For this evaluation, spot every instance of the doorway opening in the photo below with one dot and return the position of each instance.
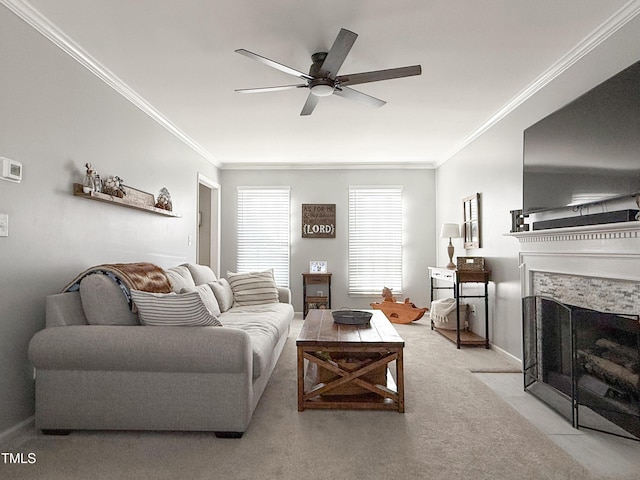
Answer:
(208, 238)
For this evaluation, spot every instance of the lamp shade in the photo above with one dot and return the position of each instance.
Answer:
(450, 230)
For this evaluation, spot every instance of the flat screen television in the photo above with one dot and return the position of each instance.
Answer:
(588, 151)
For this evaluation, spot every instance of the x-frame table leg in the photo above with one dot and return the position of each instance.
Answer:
(352, 376)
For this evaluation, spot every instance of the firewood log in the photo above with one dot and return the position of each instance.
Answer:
(621, 360)
(610, 372)
(620, 354)
(629, 352)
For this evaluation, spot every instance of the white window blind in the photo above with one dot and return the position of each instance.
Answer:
(263, 231)
(375, 239)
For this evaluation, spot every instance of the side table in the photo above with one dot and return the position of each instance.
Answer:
(314, 300)
(457, 278)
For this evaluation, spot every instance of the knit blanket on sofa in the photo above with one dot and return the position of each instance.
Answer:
(138, 276)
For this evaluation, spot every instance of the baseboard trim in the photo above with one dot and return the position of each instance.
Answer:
(10, 435)
(504, 352)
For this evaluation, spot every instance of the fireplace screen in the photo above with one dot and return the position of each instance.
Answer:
(584, 363)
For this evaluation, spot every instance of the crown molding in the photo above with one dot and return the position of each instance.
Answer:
(618, 20)
(44, 26)
(327, 166)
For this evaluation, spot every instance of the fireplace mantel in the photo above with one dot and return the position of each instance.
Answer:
(605, 252)
(601, 233)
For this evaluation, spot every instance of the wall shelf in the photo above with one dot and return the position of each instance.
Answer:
(136, 199)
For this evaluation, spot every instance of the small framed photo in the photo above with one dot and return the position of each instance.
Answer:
(318, 266)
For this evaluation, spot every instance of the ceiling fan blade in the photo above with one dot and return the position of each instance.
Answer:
(270, 89)
(351, 94)
(271, 63)
(379, 75)
(337, 54)
(310, 104)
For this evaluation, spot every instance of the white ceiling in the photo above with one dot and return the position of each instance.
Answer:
(478, 58)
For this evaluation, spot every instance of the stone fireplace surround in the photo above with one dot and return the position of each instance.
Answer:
(595, 267)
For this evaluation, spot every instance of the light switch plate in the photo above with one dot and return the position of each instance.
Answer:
(4, 225)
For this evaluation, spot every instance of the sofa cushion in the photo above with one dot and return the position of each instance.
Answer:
(104, 302)
(223, 293)
(207, 297)
(253, 288)
(180, 277)
(201, 273)
(172, 309)
(63, 309)
(265, 325)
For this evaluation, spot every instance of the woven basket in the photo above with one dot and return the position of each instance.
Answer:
(470, 263)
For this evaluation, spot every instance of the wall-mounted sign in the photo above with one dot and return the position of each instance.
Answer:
(318, 220)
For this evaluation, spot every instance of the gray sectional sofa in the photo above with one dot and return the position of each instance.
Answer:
(98, 368)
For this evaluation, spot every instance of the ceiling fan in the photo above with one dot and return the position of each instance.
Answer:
(323, 79)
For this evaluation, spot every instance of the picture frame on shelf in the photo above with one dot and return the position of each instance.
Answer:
(318, 266)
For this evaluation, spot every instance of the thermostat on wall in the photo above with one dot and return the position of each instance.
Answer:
(11, 170)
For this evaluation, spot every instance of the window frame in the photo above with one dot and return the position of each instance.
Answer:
(256, 231)
(375, 239)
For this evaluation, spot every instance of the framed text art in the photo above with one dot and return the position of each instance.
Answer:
(471, 226)
(318, 220)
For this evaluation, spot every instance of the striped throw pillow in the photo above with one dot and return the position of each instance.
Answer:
(253, 288)
(172, 309)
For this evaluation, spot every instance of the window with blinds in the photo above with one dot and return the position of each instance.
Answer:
(375, 239)
(263, 231)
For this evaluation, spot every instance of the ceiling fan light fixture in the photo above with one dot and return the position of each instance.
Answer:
(323, 80)
(322, 90)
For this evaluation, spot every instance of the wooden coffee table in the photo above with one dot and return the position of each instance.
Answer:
(347, 365)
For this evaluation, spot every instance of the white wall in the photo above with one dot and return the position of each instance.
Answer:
(54, 117)
(492, 165)
(331, 186)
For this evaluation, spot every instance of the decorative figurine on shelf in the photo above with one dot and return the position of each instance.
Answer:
(164, 200)
(398, 312)
(89, 183)
(114, 186)
(97, 181)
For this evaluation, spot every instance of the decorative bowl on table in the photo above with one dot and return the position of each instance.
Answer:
(351, 317)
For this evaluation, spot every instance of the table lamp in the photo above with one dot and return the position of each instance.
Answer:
(451, 230)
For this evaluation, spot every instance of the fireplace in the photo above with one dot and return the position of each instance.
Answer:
(581, 294)
(584, 363)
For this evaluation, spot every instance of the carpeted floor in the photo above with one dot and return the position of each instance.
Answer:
(454, 427)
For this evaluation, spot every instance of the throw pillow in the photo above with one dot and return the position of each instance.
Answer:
(253, 288)
(180, 277)
(104, 302)
(201, 273)
(223, 293)
(172, 309)
(207, 297)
